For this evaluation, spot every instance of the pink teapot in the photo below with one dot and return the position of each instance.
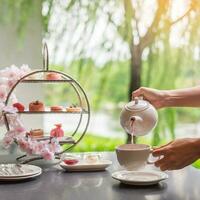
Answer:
(138, 117)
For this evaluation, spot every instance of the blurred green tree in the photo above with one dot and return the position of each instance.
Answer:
(147, 38)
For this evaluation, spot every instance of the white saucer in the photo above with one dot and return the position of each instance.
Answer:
(145, 177)
(81, 167)
(16, 171)
(20, 177)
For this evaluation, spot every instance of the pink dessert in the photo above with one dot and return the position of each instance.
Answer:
(36, 106)
(58, 131)
(20, 107)
(53, 76)
(71, 161)
(56, 108)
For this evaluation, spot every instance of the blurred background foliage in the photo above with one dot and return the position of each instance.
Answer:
(112, 47)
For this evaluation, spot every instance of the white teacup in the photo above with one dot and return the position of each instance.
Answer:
(133, 156)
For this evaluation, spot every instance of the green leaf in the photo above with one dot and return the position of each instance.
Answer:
(196, 164)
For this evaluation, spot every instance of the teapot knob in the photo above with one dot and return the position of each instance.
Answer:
(136, 99)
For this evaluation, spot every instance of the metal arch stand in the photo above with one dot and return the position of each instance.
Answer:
(76, 86)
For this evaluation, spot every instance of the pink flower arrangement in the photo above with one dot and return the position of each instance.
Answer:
(3, 92)
(9, 76)
(23, 144)
(47, 154)
(7, 141)
(18, 133)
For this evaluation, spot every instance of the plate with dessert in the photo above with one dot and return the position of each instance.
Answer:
(84, 163)
(38, 134)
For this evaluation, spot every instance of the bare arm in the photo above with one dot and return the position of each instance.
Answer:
(189, 97)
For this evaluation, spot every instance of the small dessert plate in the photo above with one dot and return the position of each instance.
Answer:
(16, 171)
(19, 178)
(146, 177)
(84, 166)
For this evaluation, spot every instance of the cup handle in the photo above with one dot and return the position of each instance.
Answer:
(152, 162)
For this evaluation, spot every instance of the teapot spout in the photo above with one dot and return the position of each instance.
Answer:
(135, 119)
(133, 123)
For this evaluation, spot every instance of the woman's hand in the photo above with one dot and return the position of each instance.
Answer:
(155, 97)
(177, 154)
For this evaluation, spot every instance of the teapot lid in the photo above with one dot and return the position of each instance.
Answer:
(137, 105)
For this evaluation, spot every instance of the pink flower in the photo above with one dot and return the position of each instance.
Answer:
(24, 69)
(7, 141)
(13, 72)
(54, 146)
(9, 77)
(11, 133)
(3, 93)
(10, 109)
(20, 129)
(23, 144)
(47, 154)
(39, 146)
(31, 146)
(3, 80)
(2, 122)
(30, 150)
(2, 105)
(11, 83)
(14, 121)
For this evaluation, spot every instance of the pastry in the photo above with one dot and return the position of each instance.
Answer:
(36, 106)
(73, 109)
(53, 76)
(92, 158)
(20, 107)
(58, 131)
(36, 133)
(56, 108)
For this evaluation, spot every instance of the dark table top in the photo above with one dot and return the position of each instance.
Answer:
(55, 184)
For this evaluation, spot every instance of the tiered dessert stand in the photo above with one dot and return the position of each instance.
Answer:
(70, 140)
